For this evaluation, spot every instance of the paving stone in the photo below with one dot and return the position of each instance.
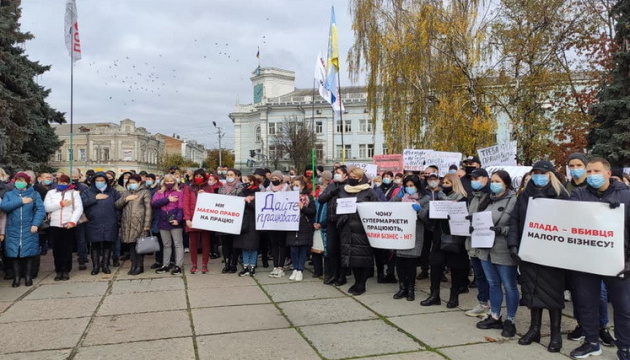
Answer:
(46, 309)
(372, 287)
(274, 344)
(54, 334)
(172, 349)
(263, 278)
(4, 305)
(325, 311)
(80, 276)
(416, 355)
(148, 285)
(385, 305)
(237, 318)
(38, 355)
(359, 338)
(10, 294)
(200, 281)
(135, 327)
(227, 296)
(508, 350)
(143, 302)
(68, 290)
(608, 353)
(301, 291)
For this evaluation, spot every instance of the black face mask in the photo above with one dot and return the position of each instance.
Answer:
(353, 182)
(276, 182)
(447, 189)
(469, 169)
(246, 185)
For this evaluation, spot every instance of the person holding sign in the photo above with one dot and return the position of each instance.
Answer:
(233, 186)
(497, 263)
(300, 242)
(601, 188)
(406, 260)
(277, 239)
(356, 251)
(199, 185)
(248, 240)
(542, 286)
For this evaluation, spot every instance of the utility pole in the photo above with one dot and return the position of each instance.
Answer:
(221, 135)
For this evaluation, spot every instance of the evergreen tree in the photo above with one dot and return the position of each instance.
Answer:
(610, 135)
(27, 140)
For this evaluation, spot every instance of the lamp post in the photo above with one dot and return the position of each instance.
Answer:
(221, 135)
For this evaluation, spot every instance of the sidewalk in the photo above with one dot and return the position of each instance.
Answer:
(222, 316)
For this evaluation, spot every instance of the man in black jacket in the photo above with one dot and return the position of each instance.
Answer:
(587, 286)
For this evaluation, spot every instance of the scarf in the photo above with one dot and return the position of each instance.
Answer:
(356, 189)
(230, 186)
(410, 198)
(281, 187)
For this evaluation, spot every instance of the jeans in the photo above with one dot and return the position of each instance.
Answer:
(483, 287)
(250, 257)
(505, 275)
(588, 291)
(116, 248)
(176, 236)
(603, 307)
(298, 256)
(82, 248)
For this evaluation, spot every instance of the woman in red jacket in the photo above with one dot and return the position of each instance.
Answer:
(198, 185)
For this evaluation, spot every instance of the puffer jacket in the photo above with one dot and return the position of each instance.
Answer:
(19, 240)
(355, 246)
(421, 220)
(60, 216)
(501, 208)
(304, 236)
(102, 214)
(136, 214)
(164, 208)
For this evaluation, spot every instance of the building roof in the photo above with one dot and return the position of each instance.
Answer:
(64, 129)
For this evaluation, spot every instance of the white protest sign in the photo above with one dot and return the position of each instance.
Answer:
(443, 160)
(516, 173)
(587, 238)
(389, 225)
(482, 237)
(413, 159)
(498, 155)
(459, 225)
(215, 212)
(346, 205)
(369, 169)
(278, 211)
(442, 209)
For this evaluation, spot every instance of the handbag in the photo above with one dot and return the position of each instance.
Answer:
(147, 244)
(82, 219)
(452, 244)
(318, 242)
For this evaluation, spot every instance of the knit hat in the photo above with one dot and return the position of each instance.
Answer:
(277, 174)
(326, 175)
(24, 176)
(578, 156)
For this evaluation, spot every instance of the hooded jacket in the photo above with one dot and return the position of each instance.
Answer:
(102, 214)
(19, 240)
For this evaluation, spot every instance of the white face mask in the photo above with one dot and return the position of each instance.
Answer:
(296, 188)
(337, 177)
(434, 184)
(229, 179)
(377, 184)
(397, 181)
(211, 182)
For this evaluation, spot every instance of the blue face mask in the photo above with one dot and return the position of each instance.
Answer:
(62, 187)
(540, 180)
(452, 171)
(100, 185)
(476, 185)
(577, 173)
(496, 187)
(47, 182)
(149, 183)
(387, 181)
(132, 187)
(410, 190)
(596, 181)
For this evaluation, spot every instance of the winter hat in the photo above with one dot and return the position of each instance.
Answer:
(326, 175)
(543, 165)
(479, 172)
(260, 172)
(24, 176)
(277, 174)
(578, 156)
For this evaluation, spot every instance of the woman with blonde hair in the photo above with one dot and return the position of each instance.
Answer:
(169, 203)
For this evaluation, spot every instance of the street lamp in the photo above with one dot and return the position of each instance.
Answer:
(221, 135)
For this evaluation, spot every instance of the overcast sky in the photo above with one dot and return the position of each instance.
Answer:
(176, 66)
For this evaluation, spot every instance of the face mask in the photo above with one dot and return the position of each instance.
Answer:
(157, 182)
(125, 181)
(246, 184)
(353, 182)
(377, 184)
(132, 187)
(275, 182)
(469, 169)
(387, 181)
(211, 182)
(434, 184)
(596, 181)
(229, 179)
(476, 185)
(296, 188)
(410, 190)
(20, 185)
(496, 187)
(198, 181)
(319, 181)
(75, 181)
(149, 183)
(447, 189)
(452, 171)
(47, 182)
(337, 177)
(62, 187)
(169, 186)
(397, 181)
(100, 185)
(577, 173)
(309, 174)
(540, 180)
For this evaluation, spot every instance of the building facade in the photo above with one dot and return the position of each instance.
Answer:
(189, 150)
(108, 146)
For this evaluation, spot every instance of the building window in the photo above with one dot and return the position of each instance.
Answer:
(272, 128)
(319, 127)
(258, 134)
(58, 155)
(106, 154)
(275, 152)
(362, 151)
(319, 151)
(347, 128)
(365, 125)
(70, 156)
(370, 150)
(82, 154)
(347, 151)
(384, 149)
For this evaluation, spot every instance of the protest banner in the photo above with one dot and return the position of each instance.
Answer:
(459, 225)
(589, 237)
(443, 160)
(346, 205)
(393, 163)
(278, 211)
(413, 159)
(442, 209)
(369, 169)
(498, 155)
(516, 173)
(221, 213)
(482, 237)
(390, 225)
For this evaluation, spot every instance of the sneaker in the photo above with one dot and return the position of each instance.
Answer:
(176, 270)
(162, 270)
(576, 334)
(156, 266)
(252, 272)
(509, 330)
(299, 276)
(293, 275)
(204, 269)
(606, 338)
(479, 310)
(273, 272)
(490, 323)
(244, 272)
(193, 270)
(186, 250)
(587, 349)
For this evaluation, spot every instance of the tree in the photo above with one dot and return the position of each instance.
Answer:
(170, 159)
(293, 139)
(27, 140)
(610, 135)
(212, 159)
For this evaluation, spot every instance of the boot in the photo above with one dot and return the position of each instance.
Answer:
(226, 268)
(533, 334)
(16, 272)
(453, 299)
(555, 339)
(411, 292)
(433, 299)
(233, 264)
(96, 257)
(402, 290)
(342, 279)
(28, 272)
(107, 253)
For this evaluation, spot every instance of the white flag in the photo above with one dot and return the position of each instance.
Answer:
(72, 31)
(320, 77)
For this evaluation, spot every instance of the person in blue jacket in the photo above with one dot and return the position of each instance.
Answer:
(25, 212)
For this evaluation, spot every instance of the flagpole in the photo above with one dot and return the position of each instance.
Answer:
(341, 107)
(314, 133)
(71, 107)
